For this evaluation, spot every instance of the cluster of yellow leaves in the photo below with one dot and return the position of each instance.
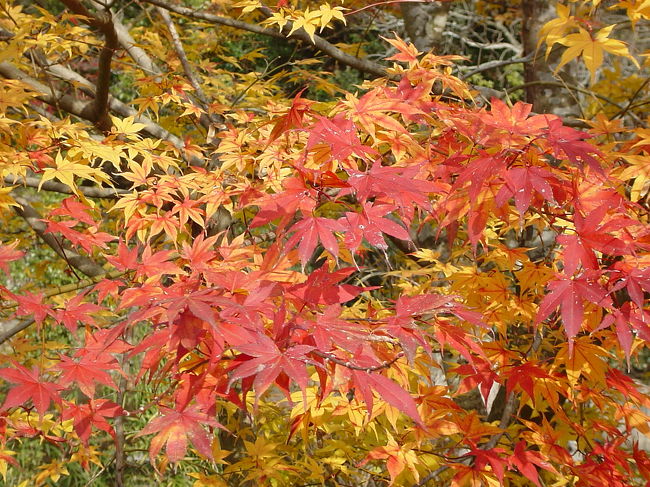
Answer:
(310, 20)
(586, 43)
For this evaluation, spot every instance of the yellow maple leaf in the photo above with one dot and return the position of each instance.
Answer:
(327, 13)
(308, 21)
(592, 48)
(5, 198)
(554, 30)
(127, 126)
(66, 171)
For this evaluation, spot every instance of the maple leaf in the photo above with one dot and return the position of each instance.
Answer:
(296, 195)
(340, 134)
(592, 234)
(520, 183)
(174, 428)
(308, 21)
(9, 253)
(397, 183)
(126, 259)
(569, 142)
(321, 288)
(293, 118)
(76, 311)
(329, 329)
(398, 458)
(371, 225)
(402, 325)
(493, 457)
(526, 460)
(371, 110)
(636, 280)
(524, 376)
(85, 372)
(155, 264)
(592, 48)
(386, 389)
(29, 386)
(269, 361)
(568, 293)
(407, 52)
(94, 413)
(307, 233)
(72, 207)
(32, 304)
(514, 120)
(66, 170)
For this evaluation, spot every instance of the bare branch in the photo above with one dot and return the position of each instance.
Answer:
(187, 68)
(496, 64)
(104, 24)
(319, 43)
(180, 52)
(127, 42)
(88, 191)
(16, 328)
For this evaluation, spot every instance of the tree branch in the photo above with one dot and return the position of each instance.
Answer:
(88, 191)
(75, 286)
(104, 24)
(319, 43)
(187, 68)
(82, 263)
(17, 328)
(127, 42)
(496, 64)
(84, 109)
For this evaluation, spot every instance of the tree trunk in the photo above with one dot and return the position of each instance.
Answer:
(425, 23)
(542, 90)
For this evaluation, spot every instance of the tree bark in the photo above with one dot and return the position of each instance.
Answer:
(545, 98)
(425, 23)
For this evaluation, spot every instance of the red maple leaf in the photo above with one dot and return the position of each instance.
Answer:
(526, 460)
(569, 293)
(296, 195)
(268, 361)
(85, 372)
(386, 389)
(32, 304)
(200, 253)
(321, 287)
(29, 386)
(74, 311)
(126, 258)
(94, 413)
(520, 183)
(340, 134)
(569, 142)
(155, 264)
(400, 184)
(72, 207)
(293, 118)
(371, 225)
(174, 428)
(9, 253)
(309, 231)
(592, 234)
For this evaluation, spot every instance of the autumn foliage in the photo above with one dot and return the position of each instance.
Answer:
(400, 286)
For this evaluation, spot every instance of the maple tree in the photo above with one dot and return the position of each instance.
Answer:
(223, 276)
